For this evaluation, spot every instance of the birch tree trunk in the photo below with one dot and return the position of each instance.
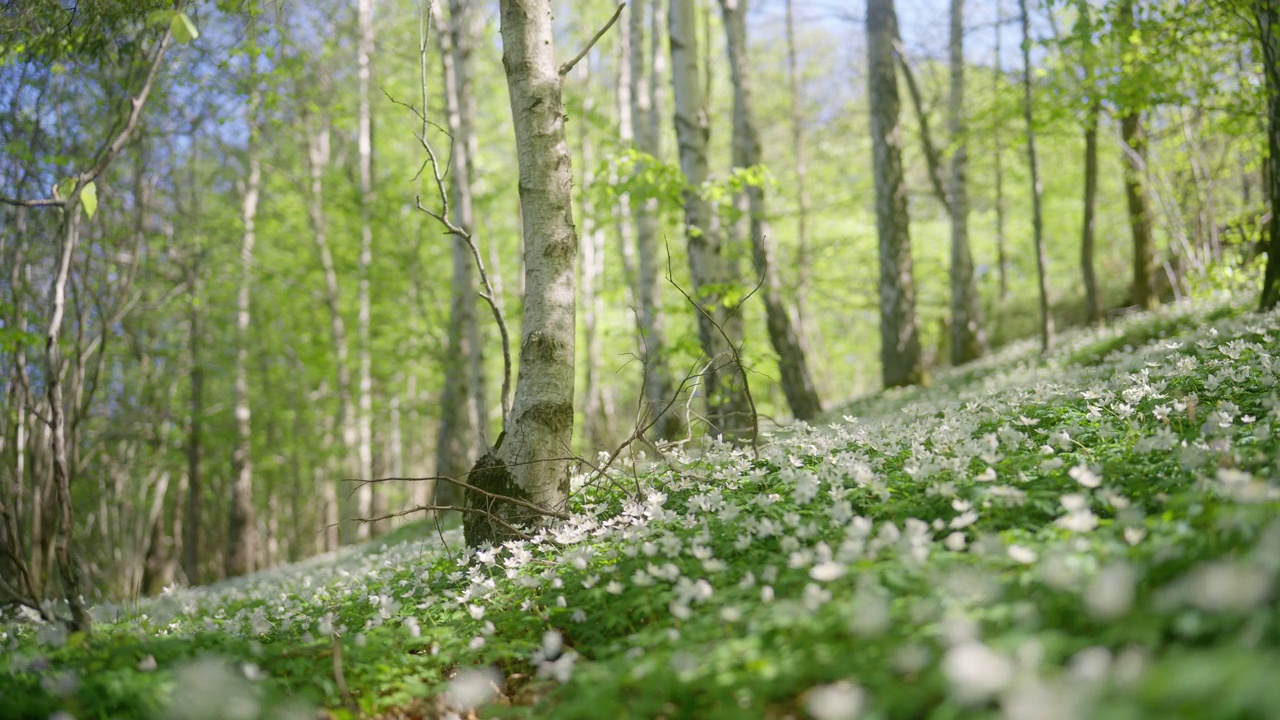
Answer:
(364, 142)
(900, 355)
(1267, 15)
(797, 384)
(646, 90)
(462, 408)
(527, 461)
(968, 339)
(1037, 212)
(1002, 262)
(317, 165)
(595, 422)
(242, 540)
(728, 410)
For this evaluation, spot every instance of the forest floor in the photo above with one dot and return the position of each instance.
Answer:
(1088, 534)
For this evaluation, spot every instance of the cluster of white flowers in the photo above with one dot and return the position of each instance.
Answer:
(805, 497)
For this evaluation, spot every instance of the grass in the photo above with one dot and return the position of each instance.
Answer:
(1090, 534)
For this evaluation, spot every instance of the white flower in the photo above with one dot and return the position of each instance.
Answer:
(827, 571)
(838, 701)
(1020, 554)
(471, 688)
(955, 542)
(1110, 593)
(1086, 477)
(976, 672)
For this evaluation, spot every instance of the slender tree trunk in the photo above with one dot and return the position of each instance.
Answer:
(1092, 299)
(191, 540)
(1002, 263)
(318, 163)
(595, 424)
(646, 109)
(968, 339)
(195, 486)
(364, 411)
(242, 541)
(1142, 292)
(728, 410)
(462, 410)
(900, 353)
(1037, 212)
(527, 461)
(54, 370)
(797, 384)
(1267, 16)
(803, 260)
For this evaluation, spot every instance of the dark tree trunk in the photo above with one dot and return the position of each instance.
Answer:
(900, 355)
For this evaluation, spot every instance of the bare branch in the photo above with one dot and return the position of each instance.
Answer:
(932, 157)
(565, 68)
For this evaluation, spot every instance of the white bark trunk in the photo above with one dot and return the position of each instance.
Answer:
(364, 142)
(540, 429)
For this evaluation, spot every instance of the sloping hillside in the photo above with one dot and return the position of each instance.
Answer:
(1092, 534)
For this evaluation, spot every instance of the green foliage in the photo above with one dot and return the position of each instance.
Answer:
(1094, 530)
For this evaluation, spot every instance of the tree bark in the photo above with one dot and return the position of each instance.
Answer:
(1092, 299)
(968, 339)
(803, 260)
(1002, 262)
(529, 464)
(595, 429)
(1037, 212)
(242, 540)
(797, 384)
(462, 407)
(1142, 292)
(1267, 16)
(646, 108)
(900, 355)
(364, 142)
(728, 410)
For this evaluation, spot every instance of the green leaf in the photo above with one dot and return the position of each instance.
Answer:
(158, 17)
(66, 187)
(89, 196)
(184, 31)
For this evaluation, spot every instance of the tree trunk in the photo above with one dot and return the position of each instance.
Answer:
(1267, 16)
(1037, 212)
(595, 429)
(803, 260)
(462, 409)
(1092, 300)
(526, 462)
(317, 164)
(900, 354)
(364, 142)
(797, 384)
(968, 339)
(1142, 293)
(728, 410)
(1002, 263)
(242, 541)
(195, 486)
(646, 110)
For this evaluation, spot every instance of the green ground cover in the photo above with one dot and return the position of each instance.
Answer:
(1091, 534)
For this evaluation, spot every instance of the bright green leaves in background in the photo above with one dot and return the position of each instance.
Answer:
(180, 26)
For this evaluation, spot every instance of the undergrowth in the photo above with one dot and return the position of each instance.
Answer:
(1091, 534)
